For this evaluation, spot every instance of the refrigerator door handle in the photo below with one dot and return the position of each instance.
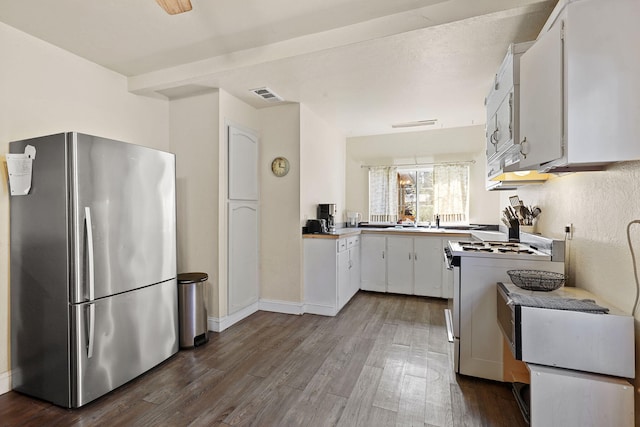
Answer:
(92, 328)
(89, 225)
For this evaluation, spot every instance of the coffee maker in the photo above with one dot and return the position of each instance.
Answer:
(328, 212)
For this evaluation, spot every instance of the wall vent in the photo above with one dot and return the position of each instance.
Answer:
(267, 94)
(429, 122)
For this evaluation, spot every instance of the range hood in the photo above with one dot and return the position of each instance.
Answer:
(513, 180)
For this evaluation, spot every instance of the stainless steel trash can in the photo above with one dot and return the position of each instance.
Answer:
(192, 312)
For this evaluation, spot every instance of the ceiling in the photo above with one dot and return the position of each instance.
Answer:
(362, 65)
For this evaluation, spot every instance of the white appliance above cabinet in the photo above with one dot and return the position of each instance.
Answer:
(579, 88)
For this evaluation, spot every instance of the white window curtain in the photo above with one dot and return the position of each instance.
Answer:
(383, 194)
(451, 192)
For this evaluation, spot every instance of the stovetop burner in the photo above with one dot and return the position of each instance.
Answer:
(497, 247)
(471, 243)
(539, 248)
(515, 250)
(476, 248)
(504, 244)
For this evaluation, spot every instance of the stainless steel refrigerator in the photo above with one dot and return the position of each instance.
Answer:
(93, 267)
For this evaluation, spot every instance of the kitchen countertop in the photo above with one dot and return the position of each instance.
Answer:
(567, 292)
(405, 231)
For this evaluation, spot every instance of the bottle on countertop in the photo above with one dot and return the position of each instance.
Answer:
(437, 220)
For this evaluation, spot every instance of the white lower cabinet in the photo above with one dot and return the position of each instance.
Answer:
(334, 269)
(373, 263)
(353, 245)
(427, 266)
(414, 265)
(400, 265)
(331, 273)
(405, 265)
(566, 398)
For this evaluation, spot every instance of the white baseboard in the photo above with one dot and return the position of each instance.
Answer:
(285, 307)
(219, 324)
(323, 310)
(5, 382)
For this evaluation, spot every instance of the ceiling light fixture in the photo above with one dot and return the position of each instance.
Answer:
(266, 94)
(173, 7)
(429, 122)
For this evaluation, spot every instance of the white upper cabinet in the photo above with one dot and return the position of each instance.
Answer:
(541, 100)
(579, 87)
(243, 165)
(503, 118)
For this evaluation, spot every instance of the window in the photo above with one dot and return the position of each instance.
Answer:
(383, 194)
(419, 194)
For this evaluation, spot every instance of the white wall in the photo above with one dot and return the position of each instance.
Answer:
(281, 240)
(322, 165)
(600, 205)
(194, 139)
(46, 90)
(443, 145)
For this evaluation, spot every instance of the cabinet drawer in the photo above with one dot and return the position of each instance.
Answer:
(353, 241)
(342, 245)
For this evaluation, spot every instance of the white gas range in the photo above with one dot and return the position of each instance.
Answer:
(490, 249)
(477, 267)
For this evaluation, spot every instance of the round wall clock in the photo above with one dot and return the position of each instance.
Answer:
(280, 166)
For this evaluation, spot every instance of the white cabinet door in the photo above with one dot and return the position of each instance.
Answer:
(354, 259)
(373, 263)
(492, 134)
(566, 398)
(504, 122)
(243, 165)
(428, 261)
(344, 278)
(602, 80)
(321, 276)
(541, 99)
(243, 255)
(400, 265)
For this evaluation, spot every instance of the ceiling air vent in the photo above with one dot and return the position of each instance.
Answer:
(267, 94)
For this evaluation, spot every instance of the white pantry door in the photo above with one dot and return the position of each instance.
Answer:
(243, 219)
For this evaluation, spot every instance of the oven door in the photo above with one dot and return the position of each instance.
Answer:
(507, 319)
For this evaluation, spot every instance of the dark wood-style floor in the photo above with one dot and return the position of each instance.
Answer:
(383, 361)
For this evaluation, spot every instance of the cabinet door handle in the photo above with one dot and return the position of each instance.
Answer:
(409, 256)
(415, 256)
(382, 254)
(524, 148)
(494, 138)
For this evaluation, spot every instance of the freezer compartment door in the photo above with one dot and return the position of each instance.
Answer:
(120, 337)
(124, 216)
